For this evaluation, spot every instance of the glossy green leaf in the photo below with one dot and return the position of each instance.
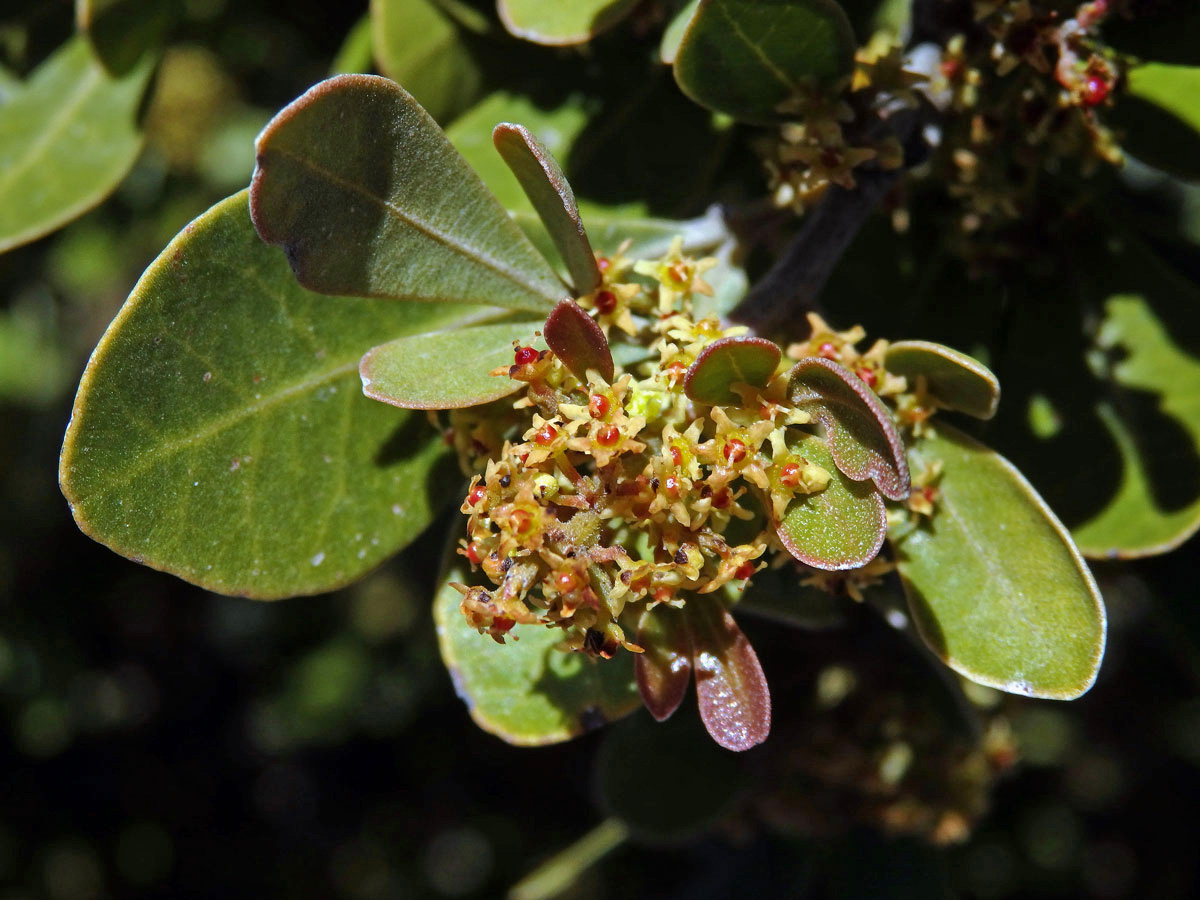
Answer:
(1174, 88)
(728, 361)
(547, 189)
(578, 341)
(864, 441)
(561, 22)
(957, 381)
(840, 527)
(356, 55)
(368, 198)
(220, 432)
(996, 587)
(121, 31)
(731, 689)
(446, 369)
(67, 137)
(664, 669)
(752, 59)
(669, 48)
(418, 45)
(525, 691)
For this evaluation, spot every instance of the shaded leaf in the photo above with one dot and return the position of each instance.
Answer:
(418, 45)
(445, 369)
(1174, 92)
(220, 433)
(840, 527)
(728, 361)
(1164, 31)
(559, 23)
(665, 668)
(121, 31)
(735, 703)
(366, 195)
(525, 691)
(67, 137)
(864, 441)
(578, 341)
(956, 380)
(547, 189)
(673, 35)
(996, 587)
(752, 59)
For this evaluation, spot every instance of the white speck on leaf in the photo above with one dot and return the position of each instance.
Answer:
(397, 509)
(318, 559)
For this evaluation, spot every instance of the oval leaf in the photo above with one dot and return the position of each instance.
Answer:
(726, 361)
(559, 23)
(525, 691)
(956, 380)
(665, 668)
(996, 587)
(578, 341)
(446, 369)
(753, 59)
(67, 137)
(735, 703)
(840, 527)
(864, 441)
(368, 198)
(546, 187)
(220, 434)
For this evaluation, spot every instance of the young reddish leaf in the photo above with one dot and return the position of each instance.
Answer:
(728, 360)
(956, 380)
(578, 341)
(547, 189)
(840, 527)
(665, 668)
(864, 441)
(735, 702)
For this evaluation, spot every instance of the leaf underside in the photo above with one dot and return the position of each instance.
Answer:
(735, 703)
(664, 670)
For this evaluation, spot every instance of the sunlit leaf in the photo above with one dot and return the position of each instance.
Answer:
(735, 703)
(525, 691)
(728, 361)
(996, 586)
(864, 441)
(752, 59)
(547, 189)
(220, 432)
(121, 31)
(578, 341)
(671, 38)
(956, 380)
(556, 22)
(446, 369)
(1175, 88)
(664, 670)
(67, 137)
(368, 198)
(840, 527)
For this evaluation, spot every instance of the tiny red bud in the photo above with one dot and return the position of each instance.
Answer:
(734, 451)
(606, 302)
(828, 351)
(745, 570)
(721, 498)
(1095, 91)
(929, 493)
(502, 625)
(472, 553)
(868, 376)
(676, 456)
(602, 263)
(676, 371)
(522, 521)
(565, 582)
(608, 435)
(525, 355)
(477, 494)
(598, 406)
(790, 475)
(546, 435)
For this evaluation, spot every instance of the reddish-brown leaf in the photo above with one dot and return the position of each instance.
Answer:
(578, 341)
(665, 668)
(735, 703)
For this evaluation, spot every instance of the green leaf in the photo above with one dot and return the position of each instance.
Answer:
(669, 48)
(547, 189)
(731, 689)
(368, 198)
(220, 432)
(751, 59)
(664, 669)
(66, 139)
(559, 23)
(864, 441)
(121, 31)
(840, 527)
(1175, 88)
(957, 381)
(996, 587)
(1159, 117)
(525, 691)
(728, 361)
(356, 53)
(418, 45)
(446, 369)
(578, 341)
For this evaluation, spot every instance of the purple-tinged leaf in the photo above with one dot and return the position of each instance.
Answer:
(956, 381)
(578, 341)
(735, 703)
(544, 184)
(840, 527)
(665, 668)
(864, 441)
(729, 360)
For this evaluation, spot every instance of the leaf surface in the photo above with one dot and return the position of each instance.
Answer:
(995, 585)
(559, 23)
(664, 670)
(727, 361)
(673, 35)
(958, 381)
(369, 198)
(220, 432)
(67, 137)
(735, 703)
(121, 31)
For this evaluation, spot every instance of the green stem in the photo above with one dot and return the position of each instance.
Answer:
(563, 869)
